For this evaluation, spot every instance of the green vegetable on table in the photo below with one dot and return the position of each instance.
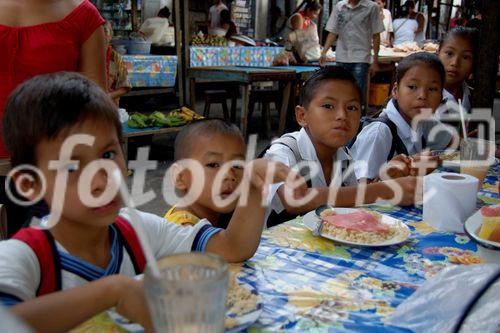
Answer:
(139, 120)
(155, 119)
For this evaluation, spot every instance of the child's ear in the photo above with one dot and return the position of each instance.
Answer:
(180, 177)
(28, 186)
(301, 116)
(395, 91)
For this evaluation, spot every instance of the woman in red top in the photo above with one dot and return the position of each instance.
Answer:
(303, 18)
(45, 36)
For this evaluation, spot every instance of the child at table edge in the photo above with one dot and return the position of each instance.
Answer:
(419, 85)
(95, 251)
(211, 143)
(329, 114)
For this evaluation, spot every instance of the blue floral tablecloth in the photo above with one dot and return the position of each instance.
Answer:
(313, 284)
(151, 70)
(233, 56)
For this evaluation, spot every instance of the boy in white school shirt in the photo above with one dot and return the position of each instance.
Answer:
(85, 263)
(329, 114)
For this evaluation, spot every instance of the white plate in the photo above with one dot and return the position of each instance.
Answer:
(240, 322)
(311, 220)
(489, 251)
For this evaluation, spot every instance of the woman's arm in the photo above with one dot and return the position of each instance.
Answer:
(93, 58)
(297, 22)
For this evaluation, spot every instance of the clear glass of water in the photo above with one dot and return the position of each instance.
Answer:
(191, 294)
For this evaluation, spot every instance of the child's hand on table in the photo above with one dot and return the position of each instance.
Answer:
(131, 302)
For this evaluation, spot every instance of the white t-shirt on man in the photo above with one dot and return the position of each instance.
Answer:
(404, 30)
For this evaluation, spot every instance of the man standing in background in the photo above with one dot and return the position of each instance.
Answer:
(214, 13)
(385, 14)
(357, 24)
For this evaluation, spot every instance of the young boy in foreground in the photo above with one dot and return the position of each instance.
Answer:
(57, 278)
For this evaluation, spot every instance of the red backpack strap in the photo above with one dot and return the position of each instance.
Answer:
(42, 243)
(131, 243)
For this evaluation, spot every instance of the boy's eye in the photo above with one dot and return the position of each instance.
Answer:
(449, 54)
(467, 57)
(213, 165)
(412, 87)
(109, 155)
(327, 106)
(433, 89)
(238, 167)
(71, 167)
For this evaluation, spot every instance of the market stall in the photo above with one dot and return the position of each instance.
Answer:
(151, 70)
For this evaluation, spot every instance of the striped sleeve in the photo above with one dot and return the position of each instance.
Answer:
(202, 237)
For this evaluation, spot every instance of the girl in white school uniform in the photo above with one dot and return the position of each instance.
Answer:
(456, 52)
(419, 85)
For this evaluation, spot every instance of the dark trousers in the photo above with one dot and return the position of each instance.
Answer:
(360, 73)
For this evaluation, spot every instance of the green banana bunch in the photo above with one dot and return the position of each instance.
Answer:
(139, 120)
(159, 119)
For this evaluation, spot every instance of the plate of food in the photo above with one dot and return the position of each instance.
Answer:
(483, 228)
(358, 227)
(243, 308)
(448, 158)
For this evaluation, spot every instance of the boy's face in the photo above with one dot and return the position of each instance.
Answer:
(332, 117)
(457, 58)
(213, 152)
(420, 88)
(106, 147)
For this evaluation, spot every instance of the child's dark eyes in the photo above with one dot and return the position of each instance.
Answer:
(238, 167)
(433, 89)
(412, 87)
(72, 167)
(467, 57)
(352, 108)
(449, 54)
(109, 155)
(328, 106)
(213, 165)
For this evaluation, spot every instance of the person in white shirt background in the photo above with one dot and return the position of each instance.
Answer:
(404, 27)
(387, 35)
(420, 18)
(214, 14)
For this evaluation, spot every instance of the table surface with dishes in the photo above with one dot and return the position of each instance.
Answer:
(301, 282)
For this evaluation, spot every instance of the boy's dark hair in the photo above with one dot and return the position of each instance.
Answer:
(329, 73)
(46, 105)
(410, 4)
(470, 34)
(402, 12)
(164, 12)
(420, 58)
(191, 135)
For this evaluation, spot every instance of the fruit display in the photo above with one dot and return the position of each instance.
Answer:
(174, 118)
(209, 41)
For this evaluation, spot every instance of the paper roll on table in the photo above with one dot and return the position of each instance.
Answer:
(449, 200)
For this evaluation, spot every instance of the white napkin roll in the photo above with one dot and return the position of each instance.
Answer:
(449, 200)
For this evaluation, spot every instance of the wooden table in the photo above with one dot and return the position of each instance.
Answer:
(245, 76)
(129, 132)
